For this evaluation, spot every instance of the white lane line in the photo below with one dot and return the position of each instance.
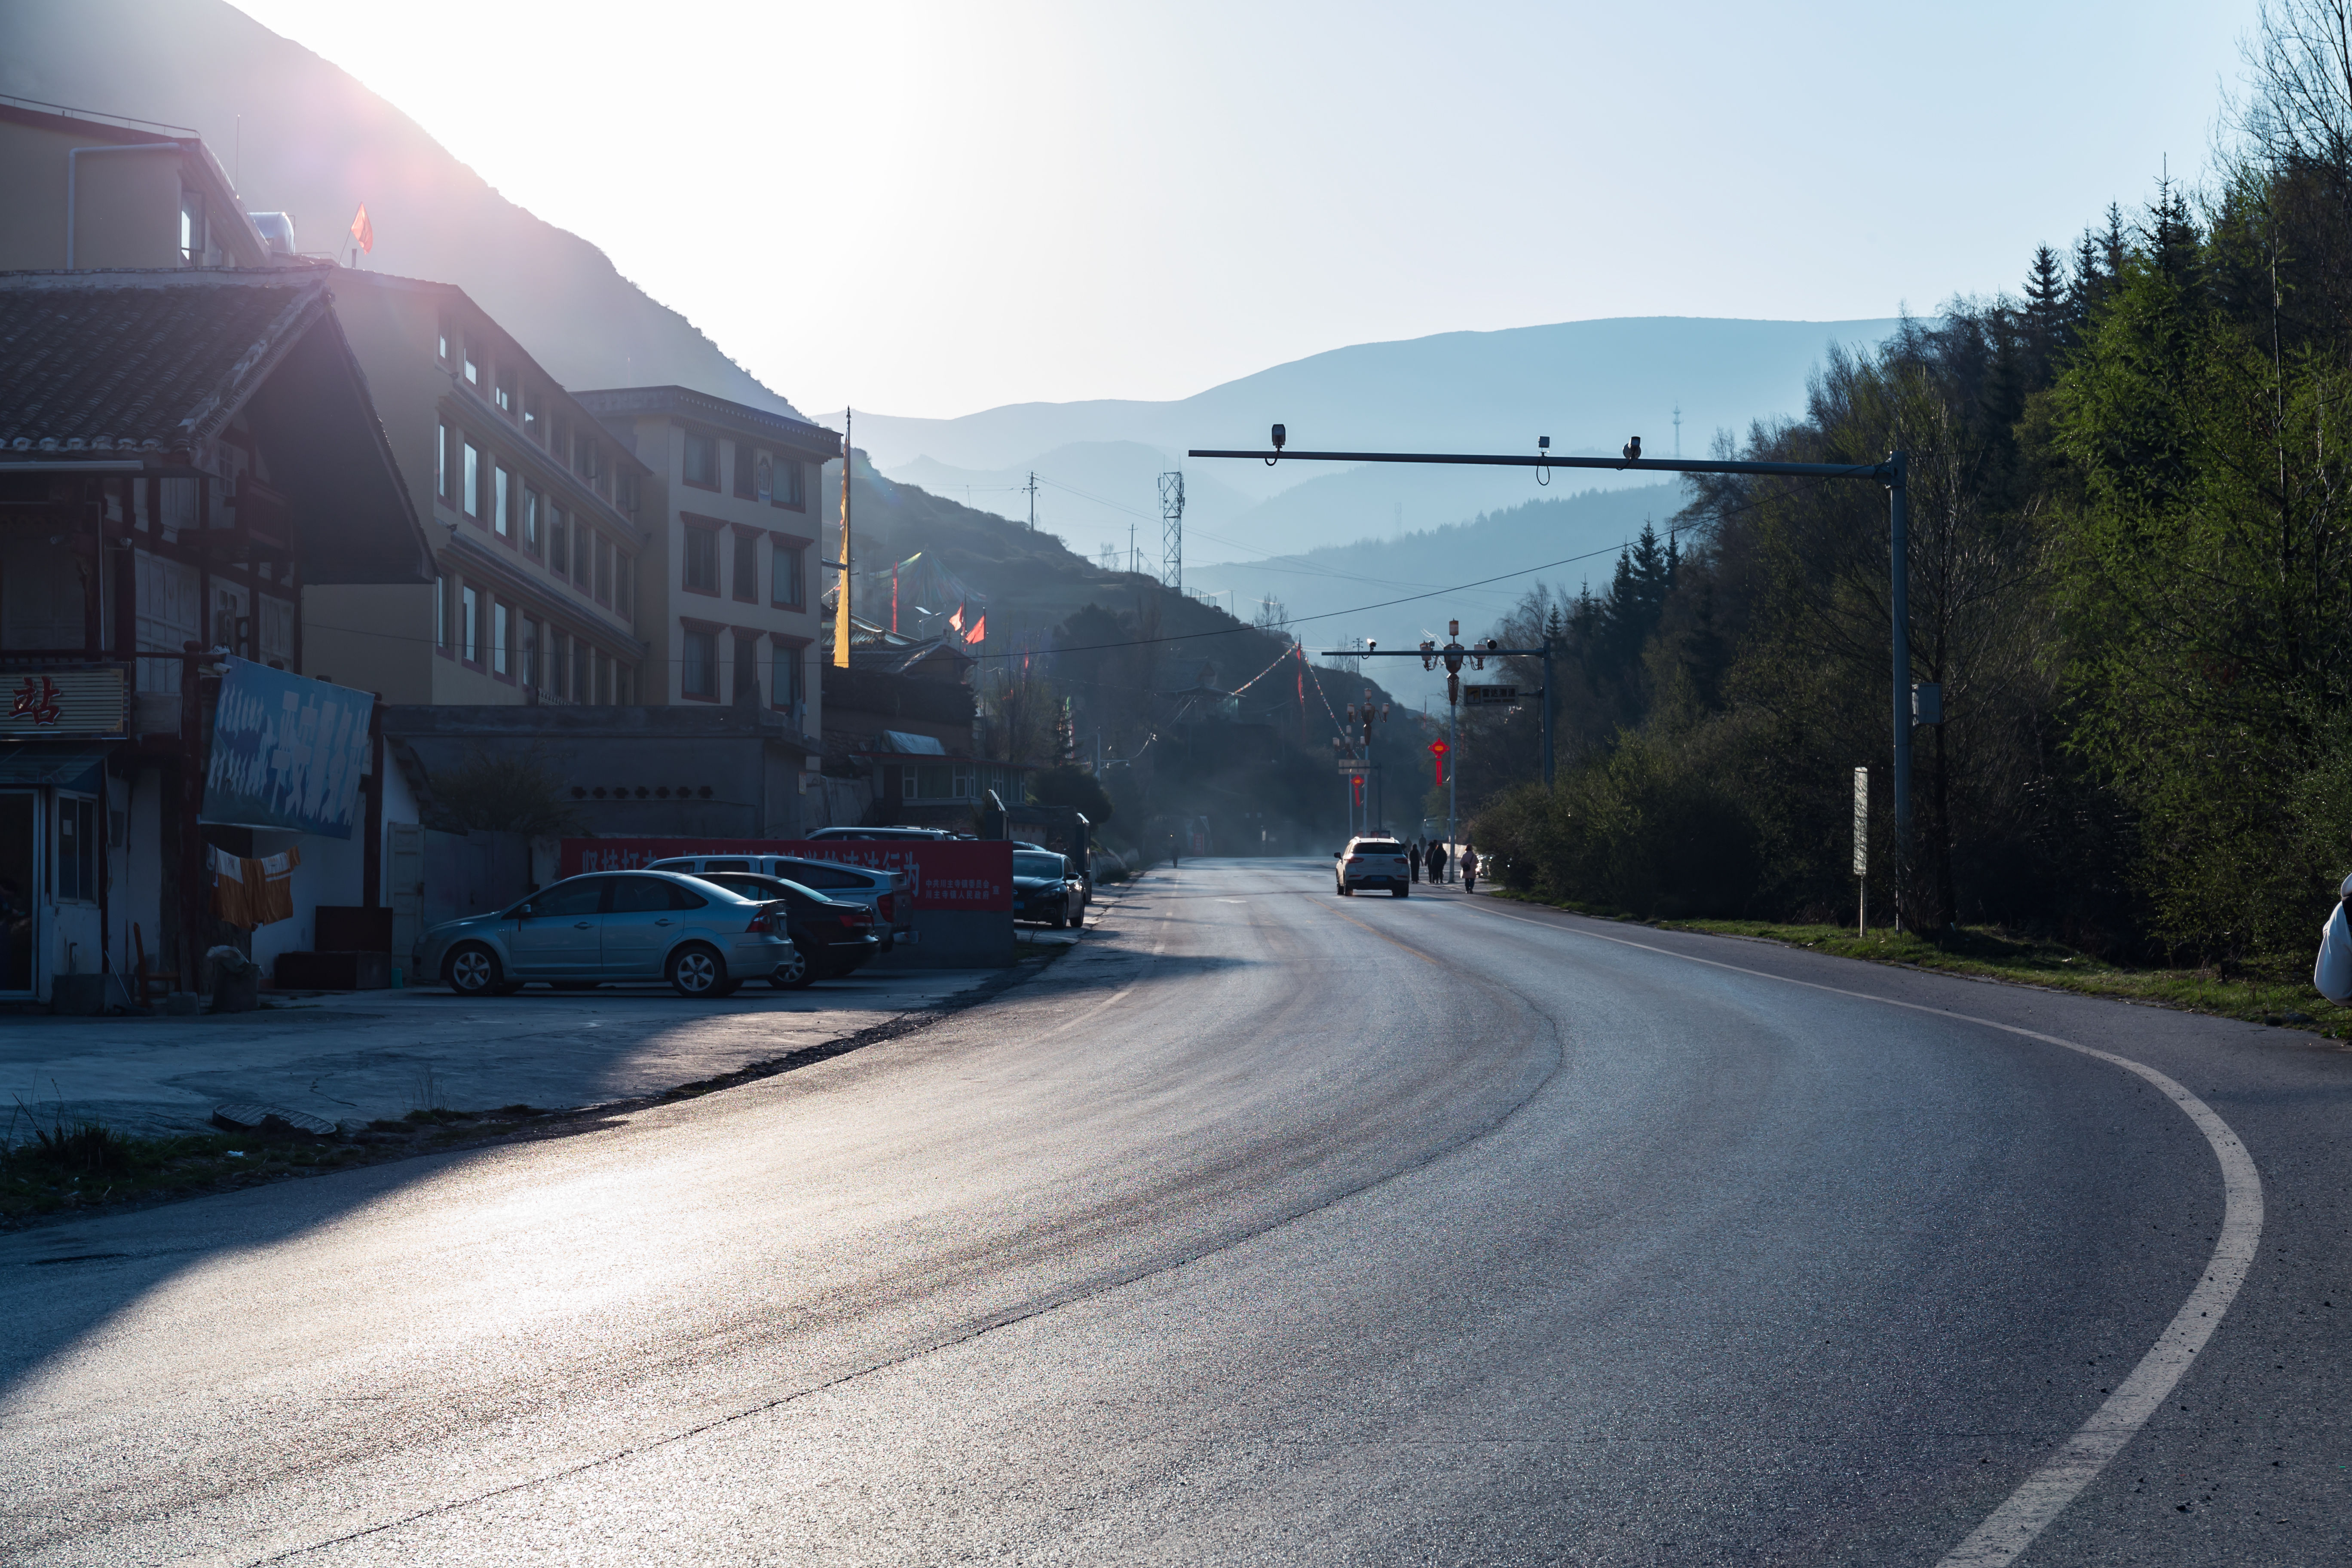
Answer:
(2010, 1528)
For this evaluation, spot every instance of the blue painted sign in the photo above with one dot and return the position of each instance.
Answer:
(288, 752)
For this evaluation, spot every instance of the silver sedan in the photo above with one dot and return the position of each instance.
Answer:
(706, 941)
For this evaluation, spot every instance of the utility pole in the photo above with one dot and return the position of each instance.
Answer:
(1032, 488)
(840, 610)
(1678, 427)
(1171, 529)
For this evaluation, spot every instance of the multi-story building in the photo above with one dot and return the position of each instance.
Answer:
(185, 455)
(534, 507)
(729, 582)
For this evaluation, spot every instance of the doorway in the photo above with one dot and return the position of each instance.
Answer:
(20, 889)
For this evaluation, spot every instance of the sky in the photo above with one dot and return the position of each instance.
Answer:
(931, 209)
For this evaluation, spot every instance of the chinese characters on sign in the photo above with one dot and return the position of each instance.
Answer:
(63, 702)
(288, 752)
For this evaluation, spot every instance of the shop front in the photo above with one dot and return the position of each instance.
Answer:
(56, 727)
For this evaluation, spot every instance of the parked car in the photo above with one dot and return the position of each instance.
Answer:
(1082, 882)
(884, 893)
(832, 936)
(1045, 889)
(1373, 863)
(706, 941)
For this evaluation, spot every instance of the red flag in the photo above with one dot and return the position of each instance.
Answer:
(979, 628)
(956, 620)
(363, 231)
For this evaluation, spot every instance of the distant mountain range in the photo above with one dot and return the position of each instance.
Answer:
(1395, 590)
(1587, 384)
(316, 144)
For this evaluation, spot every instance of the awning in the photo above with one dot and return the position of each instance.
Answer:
(29, 764)
(910, 745)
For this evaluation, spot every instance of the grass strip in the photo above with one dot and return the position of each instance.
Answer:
(2272, 989)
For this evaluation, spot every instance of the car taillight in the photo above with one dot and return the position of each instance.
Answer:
(855, 918)
(762, 923)
(887, 906)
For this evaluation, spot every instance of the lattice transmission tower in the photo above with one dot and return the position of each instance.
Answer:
(1171, 529)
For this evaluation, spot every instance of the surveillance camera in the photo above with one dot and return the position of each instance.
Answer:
(1370, 645)
(1280, 436)
(1543, 443)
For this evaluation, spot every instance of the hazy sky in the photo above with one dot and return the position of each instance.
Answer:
(931, 209)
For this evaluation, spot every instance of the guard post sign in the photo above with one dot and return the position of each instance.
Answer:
(1489, 696)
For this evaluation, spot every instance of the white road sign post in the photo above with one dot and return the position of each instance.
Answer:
(1862, 844)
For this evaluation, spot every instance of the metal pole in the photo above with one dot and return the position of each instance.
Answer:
(1546, 715)
(1898, 507)
(1452, 776)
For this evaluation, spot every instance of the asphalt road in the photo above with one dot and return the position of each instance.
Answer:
(1270, 1228)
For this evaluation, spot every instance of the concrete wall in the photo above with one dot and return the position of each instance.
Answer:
(127, 205)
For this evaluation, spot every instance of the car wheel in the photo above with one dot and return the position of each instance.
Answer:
(1060, 920)
(793, 973)
(696, 970)
(473, 971)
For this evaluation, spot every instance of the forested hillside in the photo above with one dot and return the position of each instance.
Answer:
(2129, 569)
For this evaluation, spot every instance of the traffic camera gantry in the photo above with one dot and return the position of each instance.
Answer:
(1890, 473)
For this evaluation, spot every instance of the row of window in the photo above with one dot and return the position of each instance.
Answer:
(504, 387)
(787, 566)
(759, 475)
(475, 626)
(497, 497)
(787, 668)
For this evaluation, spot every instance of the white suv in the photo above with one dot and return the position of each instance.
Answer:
(1374, 863)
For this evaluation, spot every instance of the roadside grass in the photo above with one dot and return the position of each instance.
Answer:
(2272, 989)
(95, 1167)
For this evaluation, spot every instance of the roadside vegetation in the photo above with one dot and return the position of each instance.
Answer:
(2273, 991)
(2130, 573)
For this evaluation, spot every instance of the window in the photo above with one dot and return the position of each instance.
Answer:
(441, 611)
(747, 565)
(559, 543)
(583, 667)
(473, 365)
(604, 570)
(505, 397)
(785, 573)
(604, 677)
(698, 665)
(469, 607)
(534, 418)
(629, 493)
(276, 624)
(170, 610)
(502, 632)
(746, 664)
(784, 676)
(502, 501)
(963, 781)
(585, 456)
(192, 229)
(764, 481)
(585, 896)
(472, 479)
(528, 658)
(559, 666)
(442, 350)
(531, 507)
(701, 461)
(789, 492)
(77, 862)
(747, 475)
(441, 466)
(701, 560)
(625, 570)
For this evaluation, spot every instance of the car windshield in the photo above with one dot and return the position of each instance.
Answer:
(1036, 865)
(1380, 847)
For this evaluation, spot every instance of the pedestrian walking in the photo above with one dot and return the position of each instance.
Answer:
(1469, 867)
(1437, 860)
(1412, 860)
(1172, 851)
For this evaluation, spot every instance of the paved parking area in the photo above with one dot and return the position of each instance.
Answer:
(374, 1054)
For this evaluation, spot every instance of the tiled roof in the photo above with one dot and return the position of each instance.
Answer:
(139, 363)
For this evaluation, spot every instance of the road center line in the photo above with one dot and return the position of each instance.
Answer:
(2010, 1528)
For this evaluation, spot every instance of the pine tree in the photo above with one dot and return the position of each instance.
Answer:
(2046, 310)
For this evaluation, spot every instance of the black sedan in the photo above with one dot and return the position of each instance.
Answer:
(1042, 889)
(832, 937)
